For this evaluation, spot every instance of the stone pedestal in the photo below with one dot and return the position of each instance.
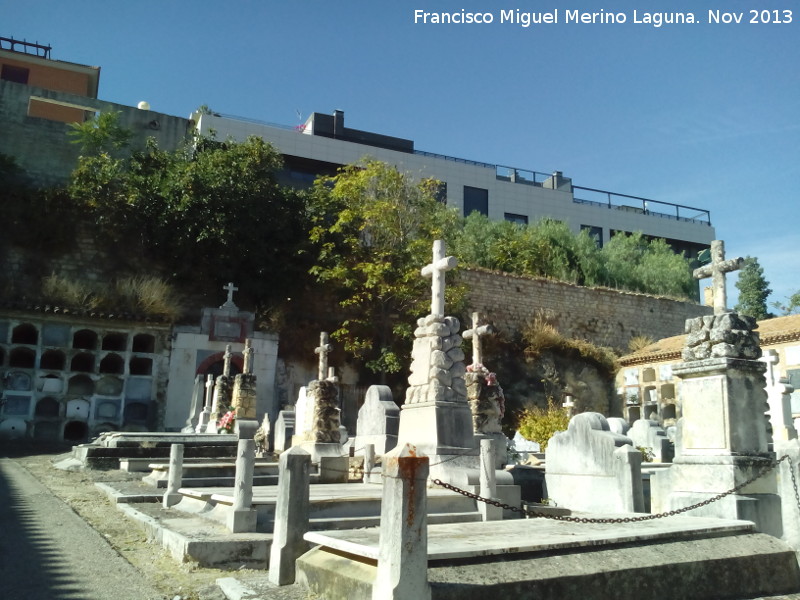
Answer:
(724, 442)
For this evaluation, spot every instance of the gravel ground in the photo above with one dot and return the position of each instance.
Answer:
(174, 580)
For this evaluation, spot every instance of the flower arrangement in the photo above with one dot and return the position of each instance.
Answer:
(226, 422)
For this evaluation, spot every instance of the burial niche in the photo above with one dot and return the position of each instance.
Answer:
(25, 334)
(53, 360)
(109, 386)
(85, 339)
(136, 412)
(105, 411)
(78, 409)
(82, 362)
(18, 381)
(23, 358)
(143, 342)
(80, 385)
(46, 430)
(47, 407)
(76, 431)
(116, 342)
(141, 366)
(112, 363)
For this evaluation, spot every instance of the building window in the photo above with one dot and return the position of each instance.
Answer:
(15, 74)
(439, 189)
(594, 232)
(518, 219)
(476, 200)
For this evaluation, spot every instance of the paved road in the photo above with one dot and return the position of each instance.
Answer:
(47, 552)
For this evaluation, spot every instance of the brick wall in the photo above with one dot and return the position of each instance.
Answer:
(603, 316)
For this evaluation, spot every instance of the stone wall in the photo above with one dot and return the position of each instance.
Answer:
(41, 146)
(602, 316)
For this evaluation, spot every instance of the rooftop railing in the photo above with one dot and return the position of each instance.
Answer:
(644, 206)
(25, 47)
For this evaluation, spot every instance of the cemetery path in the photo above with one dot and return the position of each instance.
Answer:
(61, 539)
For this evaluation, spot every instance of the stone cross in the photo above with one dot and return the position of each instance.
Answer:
(436, 270)
(475, 335)
(716, 270)
(323, 350)
(247, 369)
(231, 288)
(568, 404)
(226, 361)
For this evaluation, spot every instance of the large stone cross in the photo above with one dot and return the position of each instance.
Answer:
(436, 270)
(716, 270)
(231, 288)
(248, 352)
(323, 350)
(475, 335)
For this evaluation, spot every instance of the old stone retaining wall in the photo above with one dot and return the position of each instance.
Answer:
(602, 316)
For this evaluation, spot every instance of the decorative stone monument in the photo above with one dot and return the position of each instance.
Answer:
(243, 396)
(378, 421)
(318, 433)
(436, 416)
(723, 435)
(196, 406)
(485, 396)
(651, 436)
(205, 416)
(223, 390)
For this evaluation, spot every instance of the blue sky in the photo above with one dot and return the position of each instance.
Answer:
(701, 114)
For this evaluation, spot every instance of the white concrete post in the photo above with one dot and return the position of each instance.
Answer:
(488, 480)
(402, 571)
(171, 496)
(369, 460)
(291, 515)
(242, 517)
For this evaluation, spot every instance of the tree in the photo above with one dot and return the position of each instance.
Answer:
(207, 212)
(373, 228)
(753, 290)
(101, 133)
(792, 305)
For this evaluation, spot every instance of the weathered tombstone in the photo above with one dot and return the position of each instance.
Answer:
(291, 515)
(378, 420)
(591, 469)
(196, 406)
(618, 425)
(243, 396)
(779, 397)
(261, 436)
(402, 571)
(222, 391)
(284, 430)
(653, 438)
(488, 479)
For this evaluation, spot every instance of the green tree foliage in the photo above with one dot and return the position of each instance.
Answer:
(373, 229)
(540, 424)
(102, 133)
(550, 249)
(753, 290)
(208, 212)
(792, 304)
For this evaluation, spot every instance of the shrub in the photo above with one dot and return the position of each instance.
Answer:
(540, 424)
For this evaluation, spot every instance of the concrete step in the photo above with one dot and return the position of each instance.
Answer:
(101, 457)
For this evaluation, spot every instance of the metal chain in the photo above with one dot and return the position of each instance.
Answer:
(535, 514)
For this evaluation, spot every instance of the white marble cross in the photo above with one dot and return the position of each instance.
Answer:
(436, 270)
(323, 350)
(568, 404)
(231, 288)
(226, 361)
(716, 270)
(475, 335)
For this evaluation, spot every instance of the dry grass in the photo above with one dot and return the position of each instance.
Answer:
(541, 335)
(639, 342)
(141, 295)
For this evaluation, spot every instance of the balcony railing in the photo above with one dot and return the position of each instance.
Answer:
(643, 206)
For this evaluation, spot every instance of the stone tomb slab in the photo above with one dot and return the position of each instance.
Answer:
(491, 538)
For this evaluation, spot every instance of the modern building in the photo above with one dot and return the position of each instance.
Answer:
(40, 98)
(324, 143)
